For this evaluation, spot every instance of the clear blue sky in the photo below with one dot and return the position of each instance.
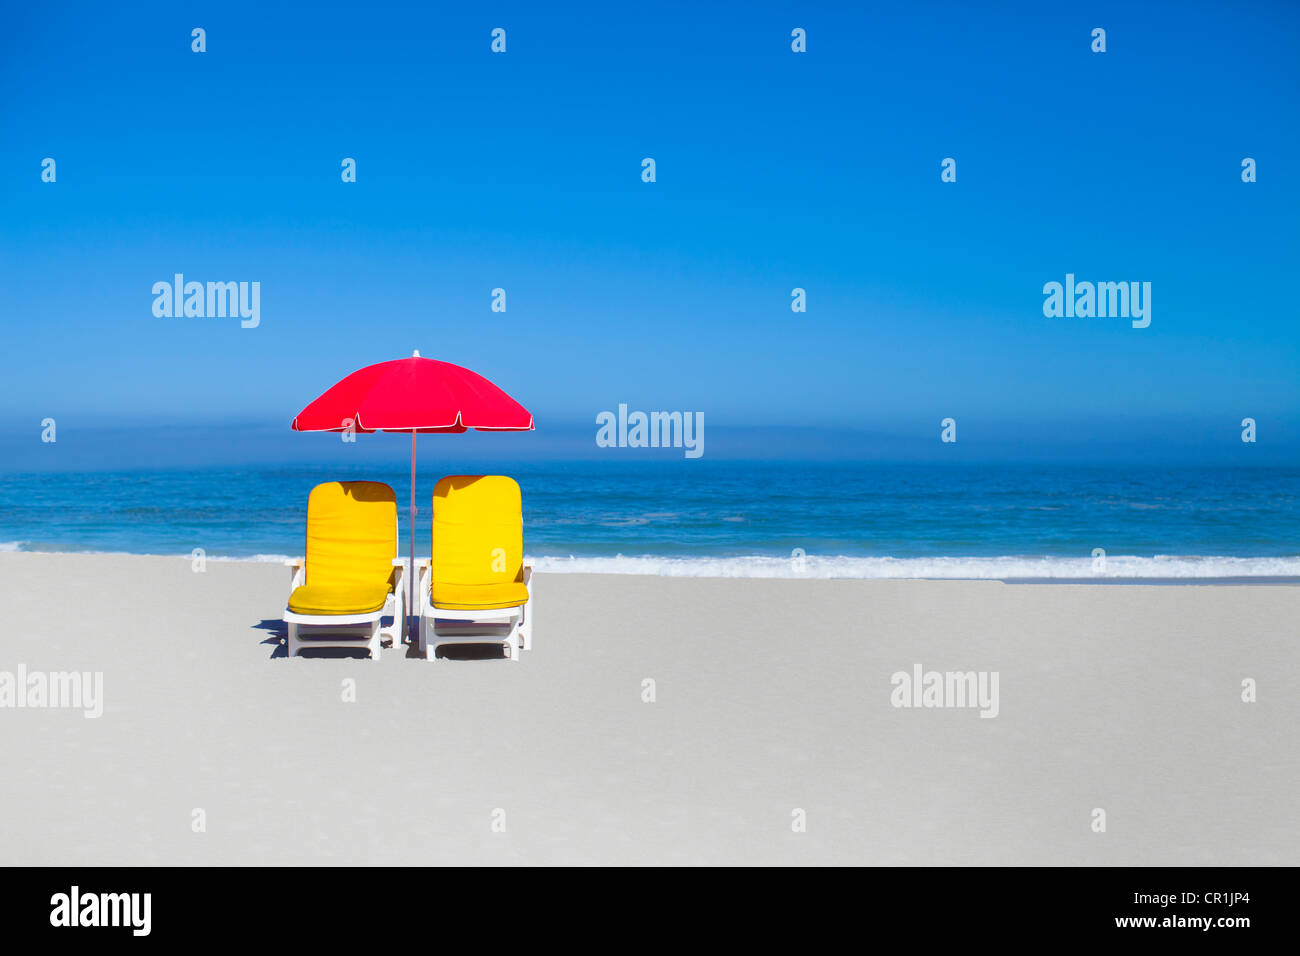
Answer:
(775, 170)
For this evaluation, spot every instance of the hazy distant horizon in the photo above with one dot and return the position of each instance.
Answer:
(112, 448)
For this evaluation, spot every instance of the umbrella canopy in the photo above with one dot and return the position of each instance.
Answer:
(416, 395)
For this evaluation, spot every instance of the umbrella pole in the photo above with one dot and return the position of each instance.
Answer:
(410, 590)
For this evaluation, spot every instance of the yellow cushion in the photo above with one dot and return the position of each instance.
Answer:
(351, 534)
(469, 597)
(478, 543)
(340, 599)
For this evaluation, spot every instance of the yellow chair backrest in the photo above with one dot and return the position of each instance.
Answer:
(478, 530)
(351, 533)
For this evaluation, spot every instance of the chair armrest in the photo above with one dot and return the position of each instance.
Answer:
(526, 613)
(423, 572)
(297, 568)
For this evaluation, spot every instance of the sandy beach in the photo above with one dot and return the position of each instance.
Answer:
(770, 697)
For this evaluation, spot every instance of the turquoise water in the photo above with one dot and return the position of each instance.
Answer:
(728, 517)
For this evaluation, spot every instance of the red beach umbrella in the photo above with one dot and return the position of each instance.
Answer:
(416, 395)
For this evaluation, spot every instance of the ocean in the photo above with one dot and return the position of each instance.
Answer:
(730, 518)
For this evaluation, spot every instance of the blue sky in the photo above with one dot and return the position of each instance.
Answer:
(775, 170)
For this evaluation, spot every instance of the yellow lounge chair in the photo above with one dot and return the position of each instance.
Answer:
(351, 575)
(474, 589)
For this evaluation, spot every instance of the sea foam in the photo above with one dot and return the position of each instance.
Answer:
(825, 567)
(1117, 567)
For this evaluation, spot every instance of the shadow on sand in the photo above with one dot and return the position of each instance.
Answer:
(278, 635)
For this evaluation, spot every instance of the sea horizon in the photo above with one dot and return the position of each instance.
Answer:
(727, 518)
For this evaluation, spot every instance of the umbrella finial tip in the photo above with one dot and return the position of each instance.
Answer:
(415, 354)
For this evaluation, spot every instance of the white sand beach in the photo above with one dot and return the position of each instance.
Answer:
(770, 696)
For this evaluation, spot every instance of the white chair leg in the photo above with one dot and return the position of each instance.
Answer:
(425, 637)
(399, 609)
(526, 626)
(291, 642)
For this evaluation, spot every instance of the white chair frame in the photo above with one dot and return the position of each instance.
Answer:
(512, 627)
(347, 630)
